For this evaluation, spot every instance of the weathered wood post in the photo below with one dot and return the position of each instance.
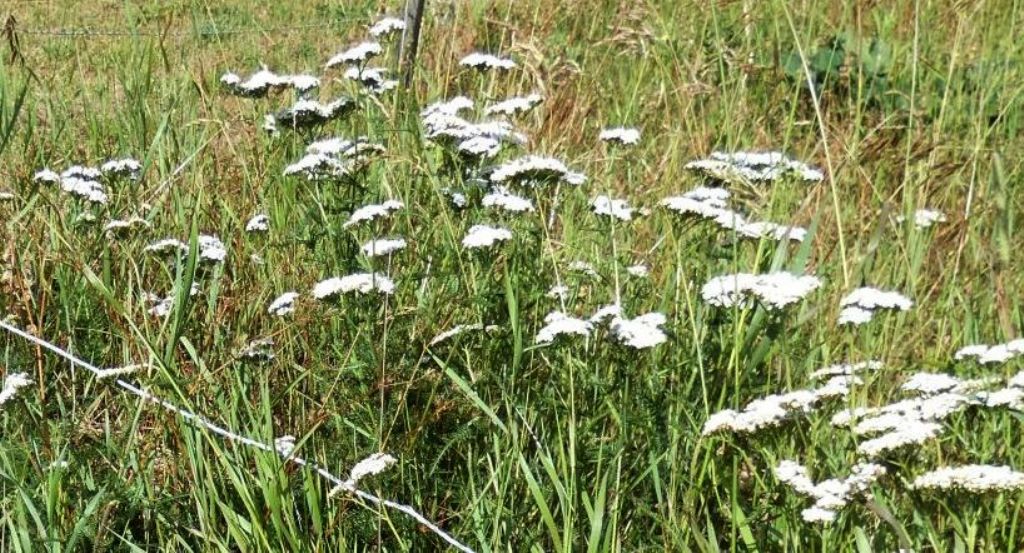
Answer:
(411, 38)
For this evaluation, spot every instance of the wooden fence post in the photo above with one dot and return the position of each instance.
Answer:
(411, 38)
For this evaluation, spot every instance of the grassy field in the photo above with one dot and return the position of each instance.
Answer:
(583, 444)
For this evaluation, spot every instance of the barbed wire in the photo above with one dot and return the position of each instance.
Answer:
(229, 435)
(196, 32)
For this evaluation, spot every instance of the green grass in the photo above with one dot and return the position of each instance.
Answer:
(581, 446)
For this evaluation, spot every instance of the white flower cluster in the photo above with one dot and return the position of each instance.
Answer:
(985, 354)
(846, 369)
(258, 223)
(502, 198)
(310, 113)
(907, 422)
(455, 331)
(381, 247)
(386, 26)
(639, 270)
(211, 249)
(370, 466)
(641, 332)
(443, 126)
(374, 79)
(260, 349)
(753, 167)
(84, 182)
(362, 283)
(126, 167)
(372, 212)
(283, 304)
(859, 306)
(167, 245)
(485, 236)
(259, 83)
(334, 158)
(485, 62)
(124, 226)
(774, 409)
(614, 208)
(584, 268)
(971, 478)
(829, 495)
(448, 107)
(710, 204)
(514, 105)
(622, 135)
(12, 383)
(358, 54)
(161, 307)
(773, 290)
(533, 169)
(925, 218)
(558, 324)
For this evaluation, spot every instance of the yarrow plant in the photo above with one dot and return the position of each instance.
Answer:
(753, 167)
(829, 495)
(621, 135)
(860, 305)
(486, 62)
(360, 283)
(772, 290)
(12, 383)
(972, 479)
(485, 236)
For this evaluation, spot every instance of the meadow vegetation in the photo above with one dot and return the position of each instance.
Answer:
(525, 431)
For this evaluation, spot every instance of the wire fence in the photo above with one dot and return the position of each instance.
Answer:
(201, 31)
(229, 435)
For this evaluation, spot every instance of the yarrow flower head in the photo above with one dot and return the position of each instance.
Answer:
(12, 383)
(559, 324)
(370, 466)
(373, 211)
(642, 332)
(515, 105)
(860, 305)
(829, 495)
(924, 218)
(121, 227)
(971, 478)
(753, 167)
(710, 204)
(361, 283)
(535, 169)
(485, 62)
(261, 82)
(485, 236)
(617, 209)
(211, 249)
(283, 304)
(772, 290)
(126, 167)
(383, 246)
(621, 135)
(310, 113)
(386, 26)
(846, 369)
(258, 223)
(985, 354)
(360, 53)
(501, 198)
(373, 78)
